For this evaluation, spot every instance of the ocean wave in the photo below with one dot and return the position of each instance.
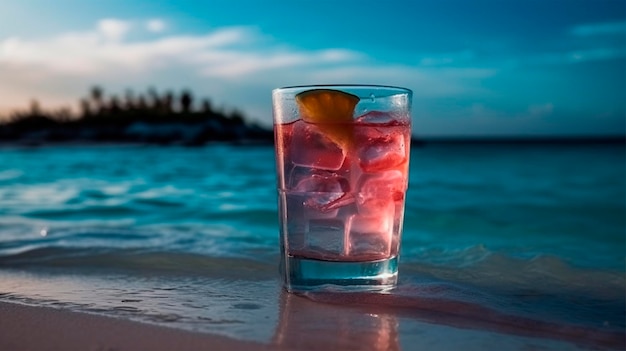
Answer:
(186, 250)
(250, 218)
(10, 174)
(540, 274)
(140, 261)
(83, 212)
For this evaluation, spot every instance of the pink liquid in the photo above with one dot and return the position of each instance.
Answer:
(343, 204)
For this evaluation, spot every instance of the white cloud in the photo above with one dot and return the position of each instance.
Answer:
(237, 66)
(231, 64)
(225, 52)
(572, 57)
(604, 28)
(451, 58)
(100, 52)
(113, 29)
(155, 25)
(599, 54)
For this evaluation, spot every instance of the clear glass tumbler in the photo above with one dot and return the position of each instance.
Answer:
(342, 156)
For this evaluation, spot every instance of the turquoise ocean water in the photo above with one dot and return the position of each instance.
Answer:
(531, 234)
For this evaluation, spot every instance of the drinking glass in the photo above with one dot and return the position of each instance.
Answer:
(342, 159)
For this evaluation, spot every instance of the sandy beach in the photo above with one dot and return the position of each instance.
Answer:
(25, 327)
(303, 325)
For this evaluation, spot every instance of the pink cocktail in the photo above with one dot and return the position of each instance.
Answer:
(342, 179)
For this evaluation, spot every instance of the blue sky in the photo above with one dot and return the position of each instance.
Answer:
(476, 67)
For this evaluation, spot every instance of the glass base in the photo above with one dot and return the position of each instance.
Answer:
(302, 274)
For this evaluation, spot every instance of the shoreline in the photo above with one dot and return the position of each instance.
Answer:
(316, 322)
(24, 327)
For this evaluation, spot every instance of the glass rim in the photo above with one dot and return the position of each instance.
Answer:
(397, 89)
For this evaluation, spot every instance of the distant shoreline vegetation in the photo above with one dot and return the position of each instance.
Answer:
(169, 119)
(152, 118)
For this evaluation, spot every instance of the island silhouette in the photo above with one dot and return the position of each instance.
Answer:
(180, 119)
(150, 118)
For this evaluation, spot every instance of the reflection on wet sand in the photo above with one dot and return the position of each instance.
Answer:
(437, 304)
(308, 325)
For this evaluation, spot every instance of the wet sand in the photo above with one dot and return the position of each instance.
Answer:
(245, 314)
(373, 323)
(42, 328)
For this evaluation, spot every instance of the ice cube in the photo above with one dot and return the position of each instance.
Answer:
(315, 181)
(382, 152)
(327, 236)
(371, 206)
(376, 117)
(371, 234)
(380, 222)
(311, 148)
(376, 192)
(324, 191)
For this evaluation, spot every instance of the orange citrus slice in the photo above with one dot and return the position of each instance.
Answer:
(332, 111)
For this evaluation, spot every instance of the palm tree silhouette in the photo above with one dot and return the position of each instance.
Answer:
(186, 99)
(96, 97)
